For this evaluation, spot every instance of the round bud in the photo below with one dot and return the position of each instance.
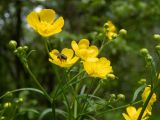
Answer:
(111, 76)
(20, 100)
(105, 25)
(149, 58)
(156, 37)
(20, 49)
(2, 118)
(7, 105)
(142, 81)
(12, 44)
(114, 35)
(25, 48)
(158, 48)
(121, 97)
(9, 94)
(144, 51)
(113, 96)
(123, 32)
(15, 52)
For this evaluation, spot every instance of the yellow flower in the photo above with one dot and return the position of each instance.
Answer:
(83, 50)
(97, 67)
(132, 113)
(159, 77)
(64, 59)
(111, 31)
(43, 22)
(145, 94)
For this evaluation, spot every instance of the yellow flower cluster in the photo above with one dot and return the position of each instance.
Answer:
(95, 67)
(132, 113)
(43, 22)
(110, 30)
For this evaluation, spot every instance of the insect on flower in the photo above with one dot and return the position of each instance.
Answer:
(61, 56)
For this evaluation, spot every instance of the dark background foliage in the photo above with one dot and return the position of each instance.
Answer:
(141, 18)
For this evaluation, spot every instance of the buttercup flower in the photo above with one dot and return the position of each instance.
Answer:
(97, 67)
(43, 22)
(132, 113)
(145, 94)
(83, 50)
(111, 31)
(64, 59)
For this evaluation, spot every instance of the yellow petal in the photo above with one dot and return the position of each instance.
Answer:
(89, 67)
(74, 60)
(83, 43)
(47, 15)
(33, 20)
(126, 117)
(68, 53)
(74, 45)
(92, 51)
(57, 25)
(131, 111)
(92, 59)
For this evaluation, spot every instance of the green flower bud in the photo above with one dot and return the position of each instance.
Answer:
(111, 76)
(25, 48)
(158, 48)
(9, 94)
(12, 44)
(20, 49)
(15, 52)
(156, 37)
(114, 36)
(113, 96)
(121, 97)
(142, 81)
(144, 52)
(123, 32)
(2, 118)
(105, 25)
(7, 105)
(149, 58)
(20, 100)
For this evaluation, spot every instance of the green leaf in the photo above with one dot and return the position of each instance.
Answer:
(137, 92)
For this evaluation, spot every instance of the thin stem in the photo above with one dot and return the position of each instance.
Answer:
(117, 108)
(42, 89)
(97, 88)
(104, 43)
(46, 46)
(37, 82)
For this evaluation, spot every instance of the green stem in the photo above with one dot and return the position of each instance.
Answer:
(37, 82)
(97, 88)
(117, 108)
(42, 89)
(145, 105)
(46, 46)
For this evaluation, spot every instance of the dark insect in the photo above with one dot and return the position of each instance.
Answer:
(61, 57)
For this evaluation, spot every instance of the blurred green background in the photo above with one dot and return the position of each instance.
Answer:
(83, 18)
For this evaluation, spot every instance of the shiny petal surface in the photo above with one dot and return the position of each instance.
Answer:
(83, 43)
(68, 52)
(47, 15)
(57, 25)
(33, 20)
